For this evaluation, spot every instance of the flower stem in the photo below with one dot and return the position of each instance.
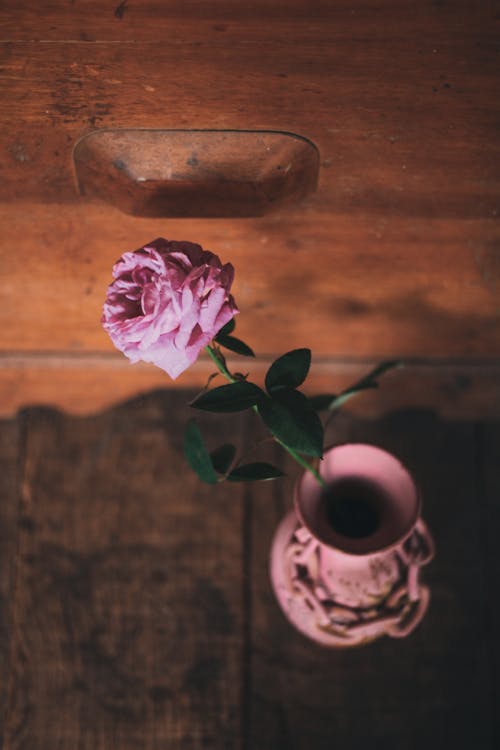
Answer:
(221, 366)
(298, 458)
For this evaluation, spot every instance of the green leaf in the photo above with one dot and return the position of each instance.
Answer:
(227, 329)
(290, 418)
(288, 371)
(197, 454)
(322, 401)
(257, 471)
(366, 382)
(346, 395)
(235, 345)
(228, 398)
(222, 457)
(379, 370)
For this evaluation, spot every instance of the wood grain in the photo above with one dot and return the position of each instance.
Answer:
(175, 20)
(394, 122)
(458, 390)
(128, 609)
(489, 478)
(421, 293)
(394, 255)
(368, 95)
(430, 690)
(143, 615)
(9, 479)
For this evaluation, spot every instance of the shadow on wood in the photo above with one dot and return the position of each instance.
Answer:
(141, 615)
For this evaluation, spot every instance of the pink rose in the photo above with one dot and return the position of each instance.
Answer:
(167, 302)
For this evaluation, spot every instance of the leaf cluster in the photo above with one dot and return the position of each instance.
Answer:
(291, 417)
(332, 401)
(225, 339)
(285, 411)
(218, 465)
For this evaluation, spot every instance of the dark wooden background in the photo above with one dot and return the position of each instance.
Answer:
(396, 254)
(136, 610)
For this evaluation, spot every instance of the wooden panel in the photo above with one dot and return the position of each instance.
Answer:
(403, 131)
(394, 255)
(144, 618)
(489, 464)
(9, 458)
(431, 690)
(81, 383)
(128, 610)
(184, 21)
(354, 300)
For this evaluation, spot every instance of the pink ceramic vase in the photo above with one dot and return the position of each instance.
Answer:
(345, 562)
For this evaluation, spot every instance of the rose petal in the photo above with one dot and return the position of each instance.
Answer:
(166, 303)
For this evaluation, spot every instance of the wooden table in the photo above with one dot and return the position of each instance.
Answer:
(137, 612)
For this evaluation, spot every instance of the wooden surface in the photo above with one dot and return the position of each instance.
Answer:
(394, 255)
(81, 384)
(9, 493)
(137, 611)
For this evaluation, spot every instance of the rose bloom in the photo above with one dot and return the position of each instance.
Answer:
(167, 302)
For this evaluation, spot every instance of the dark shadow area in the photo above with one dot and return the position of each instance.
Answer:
(136, 600)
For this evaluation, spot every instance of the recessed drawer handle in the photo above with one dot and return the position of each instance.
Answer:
(195, 173)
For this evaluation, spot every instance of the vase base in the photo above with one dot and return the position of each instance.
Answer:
(323, 620)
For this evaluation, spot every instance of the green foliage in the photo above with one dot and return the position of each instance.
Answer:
(321, 401)
(235, 345)
(332, 401)
(288, 371)
(227, 329)
(222, 457)
(206, 465)
(231, 342)
(259, 471)
(230, 398)
(382, 368)
(346, 395)
(290, 418)
(197, 455)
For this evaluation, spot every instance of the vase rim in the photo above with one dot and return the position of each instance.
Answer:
(365, 546)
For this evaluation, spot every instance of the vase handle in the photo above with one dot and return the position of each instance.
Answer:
(404, 627)
(427, 542)
(417, 551)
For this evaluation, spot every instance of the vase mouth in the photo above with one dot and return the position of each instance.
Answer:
(370, 502)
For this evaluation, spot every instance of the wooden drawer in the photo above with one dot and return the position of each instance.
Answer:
(394, 255)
